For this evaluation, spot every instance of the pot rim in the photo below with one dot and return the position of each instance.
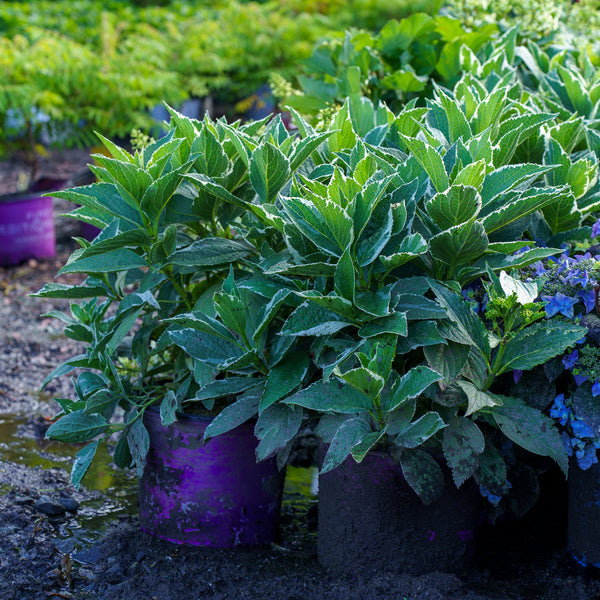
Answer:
(182, 416)
(16, 197)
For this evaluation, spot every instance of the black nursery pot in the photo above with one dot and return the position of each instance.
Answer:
(370, 519)
(583, 524)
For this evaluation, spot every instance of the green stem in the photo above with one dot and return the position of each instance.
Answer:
(495, 370)
(168, 271)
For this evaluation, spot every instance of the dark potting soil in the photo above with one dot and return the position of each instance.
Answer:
(523, 559)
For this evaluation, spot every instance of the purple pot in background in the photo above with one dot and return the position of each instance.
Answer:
(88, 232)
(370, 520)
(26, 228)
(212, 494)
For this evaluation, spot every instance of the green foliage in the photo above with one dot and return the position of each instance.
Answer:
(256, 273)
(559, 20)
(57, 90)
(175, 314)
(402, 61)
(72, 68)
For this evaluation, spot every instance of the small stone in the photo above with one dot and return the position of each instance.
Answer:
(69, 502)
(88, 556)
(87, 574)
(114, 574)
(65, 546)
(23, 500)
(49, 507)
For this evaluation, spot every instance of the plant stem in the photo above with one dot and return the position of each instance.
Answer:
(168, 271)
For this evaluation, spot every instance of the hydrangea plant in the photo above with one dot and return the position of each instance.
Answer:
(569, 292)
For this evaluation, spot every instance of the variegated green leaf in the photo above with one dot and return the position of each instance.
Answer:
(431, 161)
(411, 385)
(395, 323)
(269, 170)
(462, 443)
(471, 175)
(365, 381)
(477, 399)
(456, 205)
(348, 435)
(508, 177)
(420, 431)
(410, 247)
(331, 396)
(459, 244)
(531, 429)
(422, 473)
(527, 203)
(467, 325)
(276, 426)
(538, 343)
(327, 226)
(312, 319)
(283, 378)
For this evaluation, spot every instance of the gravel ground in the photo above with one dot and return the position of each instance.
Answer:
(38, 506)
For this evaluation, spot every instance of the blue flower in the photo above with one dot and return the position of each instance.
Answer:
(596, 388)
(588, 298)
(483, 302)
(539, 268)
(579, 379)
(581, 429)
(559, 303)
(494, 500)
(579, 277)
(586, 457)
(517, 375)
(596, 229)
(570, 360)
(560, 410)
(577, 445)
(563, 262)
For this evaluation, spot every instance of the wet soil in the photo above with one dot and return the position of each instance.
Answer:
(42, 556)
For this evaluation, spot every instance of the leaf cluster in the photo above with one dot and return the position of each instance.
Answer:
(282, 275)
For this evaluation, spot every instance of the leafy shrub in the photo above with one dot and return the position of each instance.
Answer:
(54, 90)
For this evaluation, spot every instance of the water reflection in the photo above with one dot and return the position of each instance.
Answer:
(114, 491)
(118, 488)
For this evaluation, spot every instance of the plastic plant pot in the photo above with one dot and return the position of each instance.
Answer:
(88, 232)
(370, 519)
(583, 521)
(212, 494)
(26, 228)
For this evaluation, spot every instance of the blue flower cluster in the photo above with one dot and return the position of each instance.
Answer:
(578, 437)
(569, 289)
(570, 363)
(476, 297)
(577, 276)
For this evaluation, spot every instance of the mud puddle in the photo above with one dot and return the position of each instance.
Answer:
(108, 492)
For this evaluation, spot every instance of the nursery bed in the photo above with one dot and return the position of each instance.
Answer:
(37, 562)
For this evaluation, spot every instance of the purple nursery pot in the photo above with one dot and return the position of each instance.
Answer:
(26, 228)
(88, 232)
(212, 494)
(370, 519)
